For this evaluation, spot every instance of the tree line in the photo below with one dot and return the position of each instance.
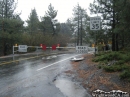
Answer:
(47, 30)
(115, 21)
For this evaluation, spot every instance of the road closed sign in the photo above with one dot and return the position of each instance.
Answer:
(95, 23)
(22, 48)
(81, 49)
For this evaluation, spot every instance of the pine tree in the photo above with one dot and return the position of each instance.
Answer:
(33, 22)
(51, 13)
(124, 22)
(7, 8)
(80, 18)
(11, 25)
(109, 10)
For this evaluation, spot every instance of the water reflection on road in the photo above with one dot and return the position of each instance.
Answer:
(23, 79)
(71, 89)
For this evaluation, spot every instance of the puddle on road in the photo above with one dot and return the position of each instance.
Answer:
(71, 89)
(50, 57)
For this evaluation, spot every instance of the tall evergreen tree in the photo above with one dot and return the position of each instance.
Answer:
(51, 13)
(33, 22)
(46, 25)
(7, 8)
(65, 29)
(80, 18)
(11, 25)
(124, 22)
(111, 13)
(115, 16)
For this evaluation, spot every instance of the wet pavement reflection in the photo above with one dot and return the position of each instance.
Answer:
(22, 78)
(71, 89)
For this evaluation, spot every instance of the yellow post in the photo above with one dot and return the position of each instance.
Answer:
(16, 44)
(93, 45)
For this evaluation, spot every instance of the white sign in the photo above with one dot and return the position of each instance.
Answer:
(82, 49)
(95, 23)
(22, 48)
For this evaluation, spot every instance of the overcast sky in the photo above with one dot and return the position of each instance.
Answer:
(64, 7)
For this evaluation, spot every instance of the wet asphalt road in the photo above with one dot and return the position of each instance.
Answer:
(33, 77)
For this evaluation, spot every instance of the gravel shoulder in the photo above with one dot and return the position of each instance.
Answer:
(92, 78)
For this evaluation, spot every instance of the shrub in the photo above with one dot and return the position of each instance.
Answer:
(120, 57)
(125, 67)
(109, 68)
(125, 74)
(120, 62)
(108, 56)
(99, 66)
(129, 80)
(115, 55)
(126, 58)
(113, 68)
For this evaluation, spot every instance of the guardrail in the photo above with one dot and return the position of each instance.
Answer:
(89, 49)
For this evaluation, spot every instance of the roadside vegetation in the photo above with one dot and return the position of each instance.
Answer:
(114, 61)
(116, 33)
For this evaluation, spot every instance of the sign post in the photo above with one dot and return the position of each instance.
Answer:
(22, 48)
(95, 24)
(82, 49)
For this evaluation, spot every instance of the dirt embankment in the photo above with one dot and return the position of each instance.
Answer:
(91, 77)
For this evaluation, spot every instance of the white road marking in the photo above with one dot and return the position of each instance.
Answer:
(62, 55)
(56, 62)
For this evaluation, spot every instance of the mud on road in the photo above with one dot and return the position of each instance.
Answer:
(88, 75)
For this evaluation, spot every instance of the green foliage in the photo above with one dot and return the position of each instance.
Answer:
(99, 66)
(118, 29)
(11, 26)
(51, 12)
(120, 64)
(80, 24)
(36, 39)
(109, 56)
(10, 34)
(125, 74)
(115, 68)
(65, 29)
(119, 57)
(49, 24)
(112, 68)
(33, 22)
(7, 8)
(46, 26)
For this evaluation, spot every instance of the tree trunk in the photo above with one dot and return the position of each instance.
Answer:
(81, 33)
(117, 48)
(113, 27)
(6, 10)
(78, 28)
(113, 42)
(5, 49)
(123, 41)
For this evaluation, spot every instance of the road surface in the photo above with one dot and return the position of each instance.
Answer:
(34, 77)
